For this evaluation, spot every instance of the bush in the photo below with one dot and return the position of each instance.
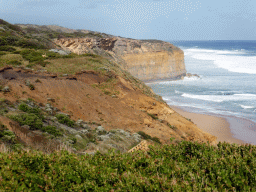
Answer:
(31, 55)
(30, 119)
(157, 140)
(2, 53)
(64, 119)
(7, 48)
(36, 111)
(8, 137)
(52, 130)
(25, 43)
(14, 62)
(31, 87)
(146, 136)
(153, 116)
(185, 167)
(9, 41)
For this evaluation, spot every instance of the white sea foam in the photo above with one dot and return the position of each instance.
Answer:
(247, 107)
(193, 78)
(234, 61)
(221, 98)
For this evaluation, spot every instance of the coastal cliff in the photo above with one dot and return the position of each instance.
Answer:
(145, 59)
(87, 100)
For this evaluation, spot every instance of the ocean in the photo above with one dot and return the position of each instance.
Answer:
(227, 83)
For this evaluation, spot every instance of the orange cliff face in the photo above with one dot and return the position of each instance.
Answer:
(145, 59)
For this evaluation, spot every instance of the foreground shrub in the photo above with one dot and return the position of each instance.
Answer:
(184, 167)
(7, 48)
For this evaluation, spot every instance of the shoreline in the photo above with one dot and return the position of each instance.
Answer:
(217, 125)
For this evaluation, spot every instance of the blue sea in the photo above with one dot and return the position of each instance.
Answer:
(227, 83)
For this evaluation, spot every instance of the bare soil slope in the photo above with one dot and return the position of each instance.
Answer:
(81, 97)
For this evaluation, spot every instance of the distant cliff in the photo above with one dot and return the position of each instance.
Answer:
(145, 59)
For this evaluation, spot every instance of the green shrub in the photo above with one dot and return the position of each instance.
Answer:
(172, 127)
(184, 167)
(16, 52)
(64, 119)
(146, 136)
(2, 53)
(30, 65)
(30, 119)
(156, 140)
(52, 130)
(153, 116)
(90, 55)
(31, 87)
(25, 43)
(8, 137)
(32, 55)
(14, 62)
(34, 110)
(7, 48)
(8, 41)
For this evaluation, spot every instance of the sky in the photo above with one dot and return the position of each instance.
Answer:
(142, 19)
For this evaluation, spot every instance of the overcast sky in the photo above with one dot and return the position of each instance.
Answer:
(142, 19)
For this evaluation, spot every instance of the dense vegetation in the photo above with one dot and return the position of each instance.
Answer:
(185, 166)
(33, 117)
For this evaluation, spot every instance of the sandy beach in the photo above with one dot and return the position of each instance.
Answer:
(217, 126)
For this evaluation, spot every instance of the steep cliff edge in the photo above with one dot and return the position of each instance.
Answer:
(144, 59)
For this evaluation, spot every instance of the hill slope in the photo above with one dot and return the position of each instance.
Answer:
(87, 101)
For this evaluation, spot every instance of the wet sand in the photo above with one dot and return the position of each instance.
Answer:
(217, 126)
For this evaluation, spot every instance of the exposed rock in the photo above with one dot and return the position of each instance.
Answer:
(103, 137)
(6, 89)
(137, 137)
(192, 75)
(25, 127)
(78, 136)
(100, 130)
(27, 82)
(61, 113)
(49, 108)
(61, 52)
(84, 131)
(123, 132)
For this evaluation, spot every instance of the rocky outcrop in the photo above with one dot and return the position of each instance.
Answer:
(144, 59)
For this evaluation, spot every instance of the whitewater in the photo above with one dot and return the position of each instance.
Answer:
(227, 83)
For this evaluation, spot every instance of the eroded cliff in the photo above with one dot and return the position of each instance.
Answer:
(145, 59)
